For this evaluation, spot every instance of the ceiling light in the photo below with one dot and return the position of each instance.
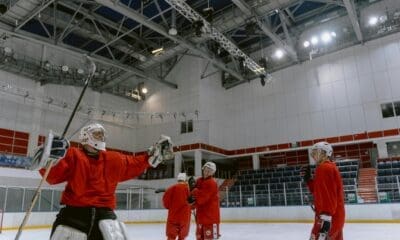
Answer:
(279, 53)
(372, 21)
(382, 18)
(333, 34)
(8, 51)
(262, 80)
(172, 31)
(80, 71)
(47, 65)
(65, 68)
(157, 51)
(144, 90)
(306, 44)
(314, 40)
(326, 37)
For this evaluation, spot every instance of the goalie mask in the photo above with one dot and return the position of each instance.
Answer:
(93, 135)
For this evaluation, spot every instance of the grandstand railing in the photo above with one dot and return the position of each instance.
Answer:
(283, 194)
(388, 188)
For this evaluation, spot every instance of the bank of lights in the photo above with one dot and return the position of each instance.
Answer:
(325, 37)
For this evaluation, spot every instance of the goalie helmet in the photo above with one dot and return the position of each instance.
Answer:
(211, 166)
(326, 147)
(93, 135)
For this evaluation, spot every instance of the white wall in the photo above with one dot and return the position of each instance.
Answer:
(333, 95)
(354, 213)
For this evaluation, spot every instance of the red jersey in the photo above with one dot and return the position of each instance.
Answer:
(327, 190)
(92, 182)
(207, 201)
(175, 200)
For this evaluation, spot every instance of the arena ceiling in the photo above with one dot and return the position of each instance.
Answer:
(143, 40)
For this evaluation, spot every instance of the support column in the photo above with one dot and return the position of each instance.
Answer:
(382, 148)
(197, 162)
(256, 161)
(177, 164)
(36, 119)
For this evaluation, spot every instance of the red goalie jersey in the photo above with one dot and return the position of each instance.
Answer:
(327, 190)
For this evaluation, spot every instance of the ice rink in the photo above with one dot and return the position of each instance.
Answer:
(243, 231)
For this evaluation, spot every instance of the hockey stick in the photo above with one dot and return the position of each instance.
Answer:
(92, 70)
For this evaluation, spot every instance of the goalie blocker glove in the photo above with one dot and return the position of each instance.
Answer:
(305, 172)
(325, 222)
(161, 151)
(191, 183)
(49, 152)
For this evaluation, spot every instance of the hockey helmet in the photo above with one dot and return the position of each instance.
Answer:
(93, 135)
(326, 147)
(181, 176)
(211, 166)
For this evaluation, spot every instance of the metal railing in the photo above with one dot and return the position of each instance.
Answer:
(388, 188)
(281, 194)
(17, 199)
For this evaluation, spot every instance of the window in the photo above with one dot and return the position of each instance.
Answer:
(397, 108)
(187, 126)
(393, 149)
(387, 110)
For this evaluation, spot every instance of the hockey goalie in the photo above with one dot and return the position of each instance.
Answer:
(92, 174)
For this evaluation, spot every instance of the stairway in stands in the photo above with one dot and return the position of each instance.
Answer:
(367, 185)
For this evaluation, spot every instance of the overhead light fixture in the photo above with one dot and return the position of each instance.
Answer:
(158, 51)
(209, 14)
(306, 44)
(46, 66)
(333, 34)
(65, 68)
(326, 37)
(279, 53)
(382, 18)
(198, 25)
(144, 90)
(372, 21)
(262, 80)
(172, 31)
(314, 40)
(8, 51)
(80, 71)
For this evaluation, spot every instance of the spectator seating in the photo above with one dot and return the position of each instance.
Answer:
(7, 160)
(281, 185)
(387, 180)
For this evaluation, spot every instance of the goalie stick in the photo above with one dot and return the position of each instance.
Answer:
(92, 70)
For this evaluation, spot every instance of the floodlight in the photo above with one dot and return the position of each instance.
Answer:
(326, 37)
(372, 21)
(314, 40)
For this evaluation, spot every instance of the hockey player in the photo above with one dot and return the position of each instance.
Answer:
(327, 190)
(175, 200)
(92, 175)
(205, 197)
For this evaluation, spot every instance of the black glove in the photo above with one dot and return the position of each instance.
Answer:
(325, 223)
(305, 172)
(191, 199)
(192, 183)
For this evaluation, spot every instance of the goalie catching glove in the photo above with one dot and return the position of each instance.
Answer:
(161, 151)
(54, 149)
